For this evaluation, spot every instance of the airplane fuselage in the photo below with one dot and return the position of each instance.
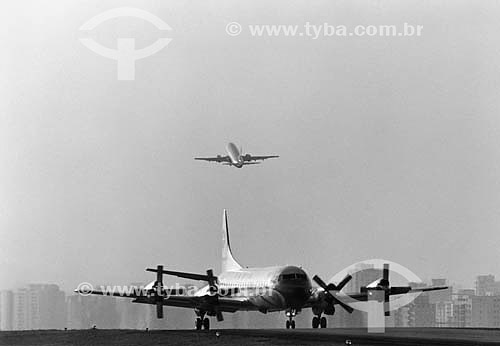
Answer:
(267, 289)
(235, 155)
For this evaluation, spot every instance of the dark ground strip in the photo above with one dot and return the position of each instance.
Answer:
(243, 337)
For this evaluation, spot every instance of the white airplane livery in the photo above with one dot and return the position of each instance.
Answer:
(236, 157)
(279, 288)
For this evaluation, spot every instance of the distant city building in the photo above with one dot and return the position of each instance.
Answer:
(485, 311)
(487, 286)
(76, 318)
(422, 313)
(25, 310)
(462, 309)
(444, 314)
(39, 306)
(401, 317)
(6, 310)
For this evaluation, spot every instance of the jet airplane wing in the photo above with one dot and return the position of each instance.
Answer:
(257, 158)
(215, 159)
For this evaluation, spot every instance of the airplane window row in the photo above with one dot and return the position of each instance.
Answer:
(292, 276)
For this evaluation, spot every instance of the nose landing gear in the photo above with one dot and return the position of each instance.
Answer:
(205, 323)
(290, 323)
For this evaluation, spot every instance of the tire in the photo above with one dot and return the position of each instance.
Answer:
(206, 324)
(292, 324)
(198, 323)
(315, 322)
(287, 324)
(323, 322)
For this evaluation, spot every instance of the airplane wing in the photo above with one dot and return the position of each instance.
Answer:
(207, 298)
(180, 298)
(214, 159)
(249, 157)
(205, 303)
(363, 296)
(319, 296)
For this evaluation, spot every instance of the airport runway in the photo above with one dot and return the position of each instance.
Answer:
(242, 337)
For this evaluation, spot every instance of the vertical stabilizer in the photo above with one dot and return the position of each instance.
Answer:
(228, 261)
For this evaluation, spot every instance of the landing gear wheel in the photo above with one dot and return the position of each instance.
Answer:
(206, 324)
(315, 322)
(198, 323)
(323, 322)
(287, 324)
(292, 324)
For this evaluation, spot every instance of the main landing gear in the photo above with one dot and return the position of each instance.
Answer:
(202, 321)
(319, 321)
(205, 323)
(290, 323)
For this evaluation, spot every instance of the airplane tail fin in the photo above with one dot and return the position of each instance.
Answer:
(228, 261)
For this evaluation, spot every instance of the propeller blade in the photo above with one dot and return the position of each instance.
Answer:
(344, 282)
(320, 282)
(342, 304)
(212, 281)
(159, 309)
(384, 282)
(387, 309)
(159, 291)
(159, 280)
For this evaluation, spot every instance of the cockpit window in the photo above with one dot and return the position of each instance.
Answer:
(292, 276)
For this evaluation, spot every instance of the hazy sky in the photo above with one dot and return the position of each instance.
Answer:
(390, 147)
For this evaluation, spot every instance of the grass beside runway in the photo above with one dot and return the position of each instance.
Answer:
(243, 337)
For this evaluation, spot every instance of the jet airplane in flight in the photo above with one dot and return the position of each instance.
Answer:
(278, 288)
(236, 157)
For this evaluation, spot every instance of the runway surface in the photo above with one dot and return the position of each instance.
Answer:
(241, 337)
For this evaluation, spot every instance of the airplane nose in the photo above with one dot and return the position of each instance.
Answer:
(295, 294)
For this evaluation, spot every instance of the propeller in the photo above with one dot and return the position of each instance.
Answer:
(213, 289)
(159, 295)
(384, 284)
(159, 291)
(331, 299)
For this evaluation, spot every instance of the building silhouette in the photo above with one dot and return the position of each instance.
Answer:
(39, 306)
(487, 286)
(6, 310)
(485, 311)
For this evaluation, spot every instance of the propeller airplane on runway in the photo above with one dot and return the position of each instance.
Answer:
(268, 289)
